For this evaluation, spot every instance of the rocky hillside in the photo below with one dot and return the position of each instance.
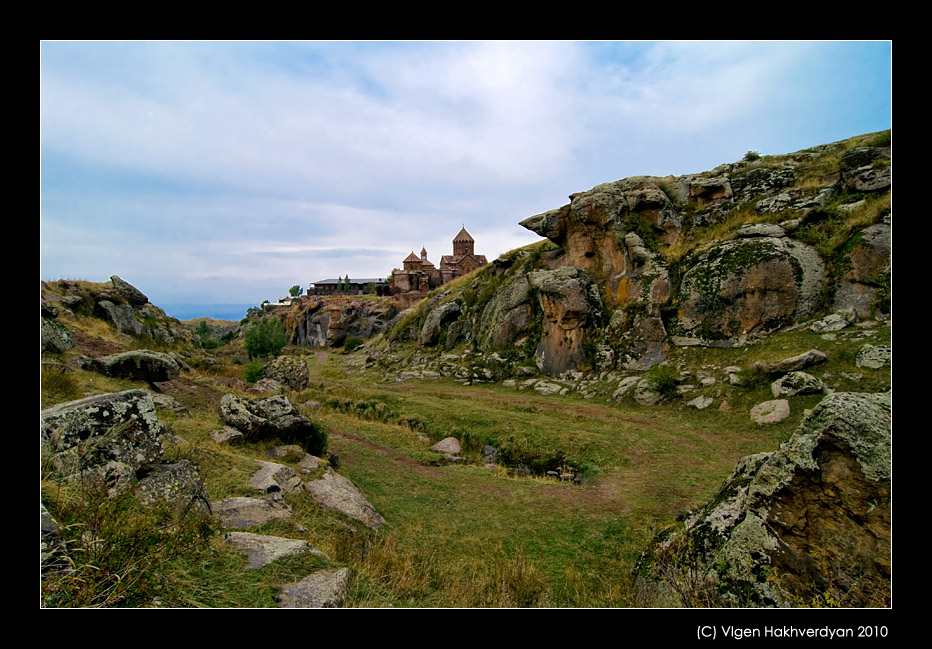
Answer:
(635, 267)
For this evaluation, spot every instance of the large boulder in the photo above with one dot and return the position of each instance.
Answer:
(177, 485)
(866, 169)
(748, 286)
(288, 370)
(139, 365)
(121, 316)
(808, 524)
(273, 417)
(117, 434)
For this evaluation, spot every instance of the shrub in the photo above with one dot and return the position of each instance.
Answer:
(352, 343)
(253, 371)
(661, 379)
(750, 156)
(264, 337)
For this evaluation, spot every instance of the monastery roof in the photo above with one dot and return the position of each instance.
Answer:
(411, 257)
(463, 236)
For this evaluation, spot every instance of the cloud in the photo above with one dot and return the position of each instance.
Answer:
(276, 160)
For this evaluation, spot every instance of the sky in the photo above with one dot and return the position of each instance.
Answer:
(208, 173)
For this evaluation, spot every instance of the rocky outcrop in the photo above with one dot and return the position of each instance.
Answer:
(273, 417)
(117, 302)
(327, 322)
(571, 305)
(139, 365)
(808, 524)
(865, 283)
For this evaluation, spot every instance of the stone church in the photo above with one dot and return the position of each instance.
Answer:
(421, 275)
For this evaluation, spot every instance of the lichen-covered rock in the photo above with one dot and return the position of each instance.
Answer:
(272, 417)
(288, 370)
(322, 589)
(177, 484)
(227, 435)
(335, 492)
(139, 365)
(745, 287)
(866, 169)
(796, 383)
(865, 285)
(873, 356)
(55, 338)
(52, 553)
(447, 445)
(118, 432)
(807, 524)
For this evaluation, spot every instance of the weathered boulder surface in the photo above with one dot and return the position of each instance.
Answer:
(55, 337)
(807, 524)
(139, 365)
(339, 494)
(262, 550)
(275, 477)
(795, 383)
(749, 286)
(129, 292)
(770, 412)
(322, 589)
(251, 512)
(571, 304)
(177, 484)
(122, 316)
(272, 417)
(865, 284)
(52, 553)
(118, 433)
(437, 318)
(873, 356)
(327, 323)
(792, 364)
(288, 370)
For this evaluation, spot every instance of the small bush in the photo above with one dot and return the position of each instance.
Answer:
(353, 343)
(661, 379)
(750, 156)
(253, 371)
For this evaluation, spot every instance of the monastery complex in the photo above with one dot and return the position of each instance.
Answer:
(420, 275)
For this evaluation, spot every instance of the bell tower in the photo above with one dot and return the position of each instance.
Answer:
(463, 244)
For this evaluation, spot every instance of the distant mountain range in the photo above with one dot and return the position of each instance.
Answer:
(216, 311)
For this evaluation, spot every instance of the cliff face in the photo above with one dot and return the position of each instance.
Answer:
(719, 258)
